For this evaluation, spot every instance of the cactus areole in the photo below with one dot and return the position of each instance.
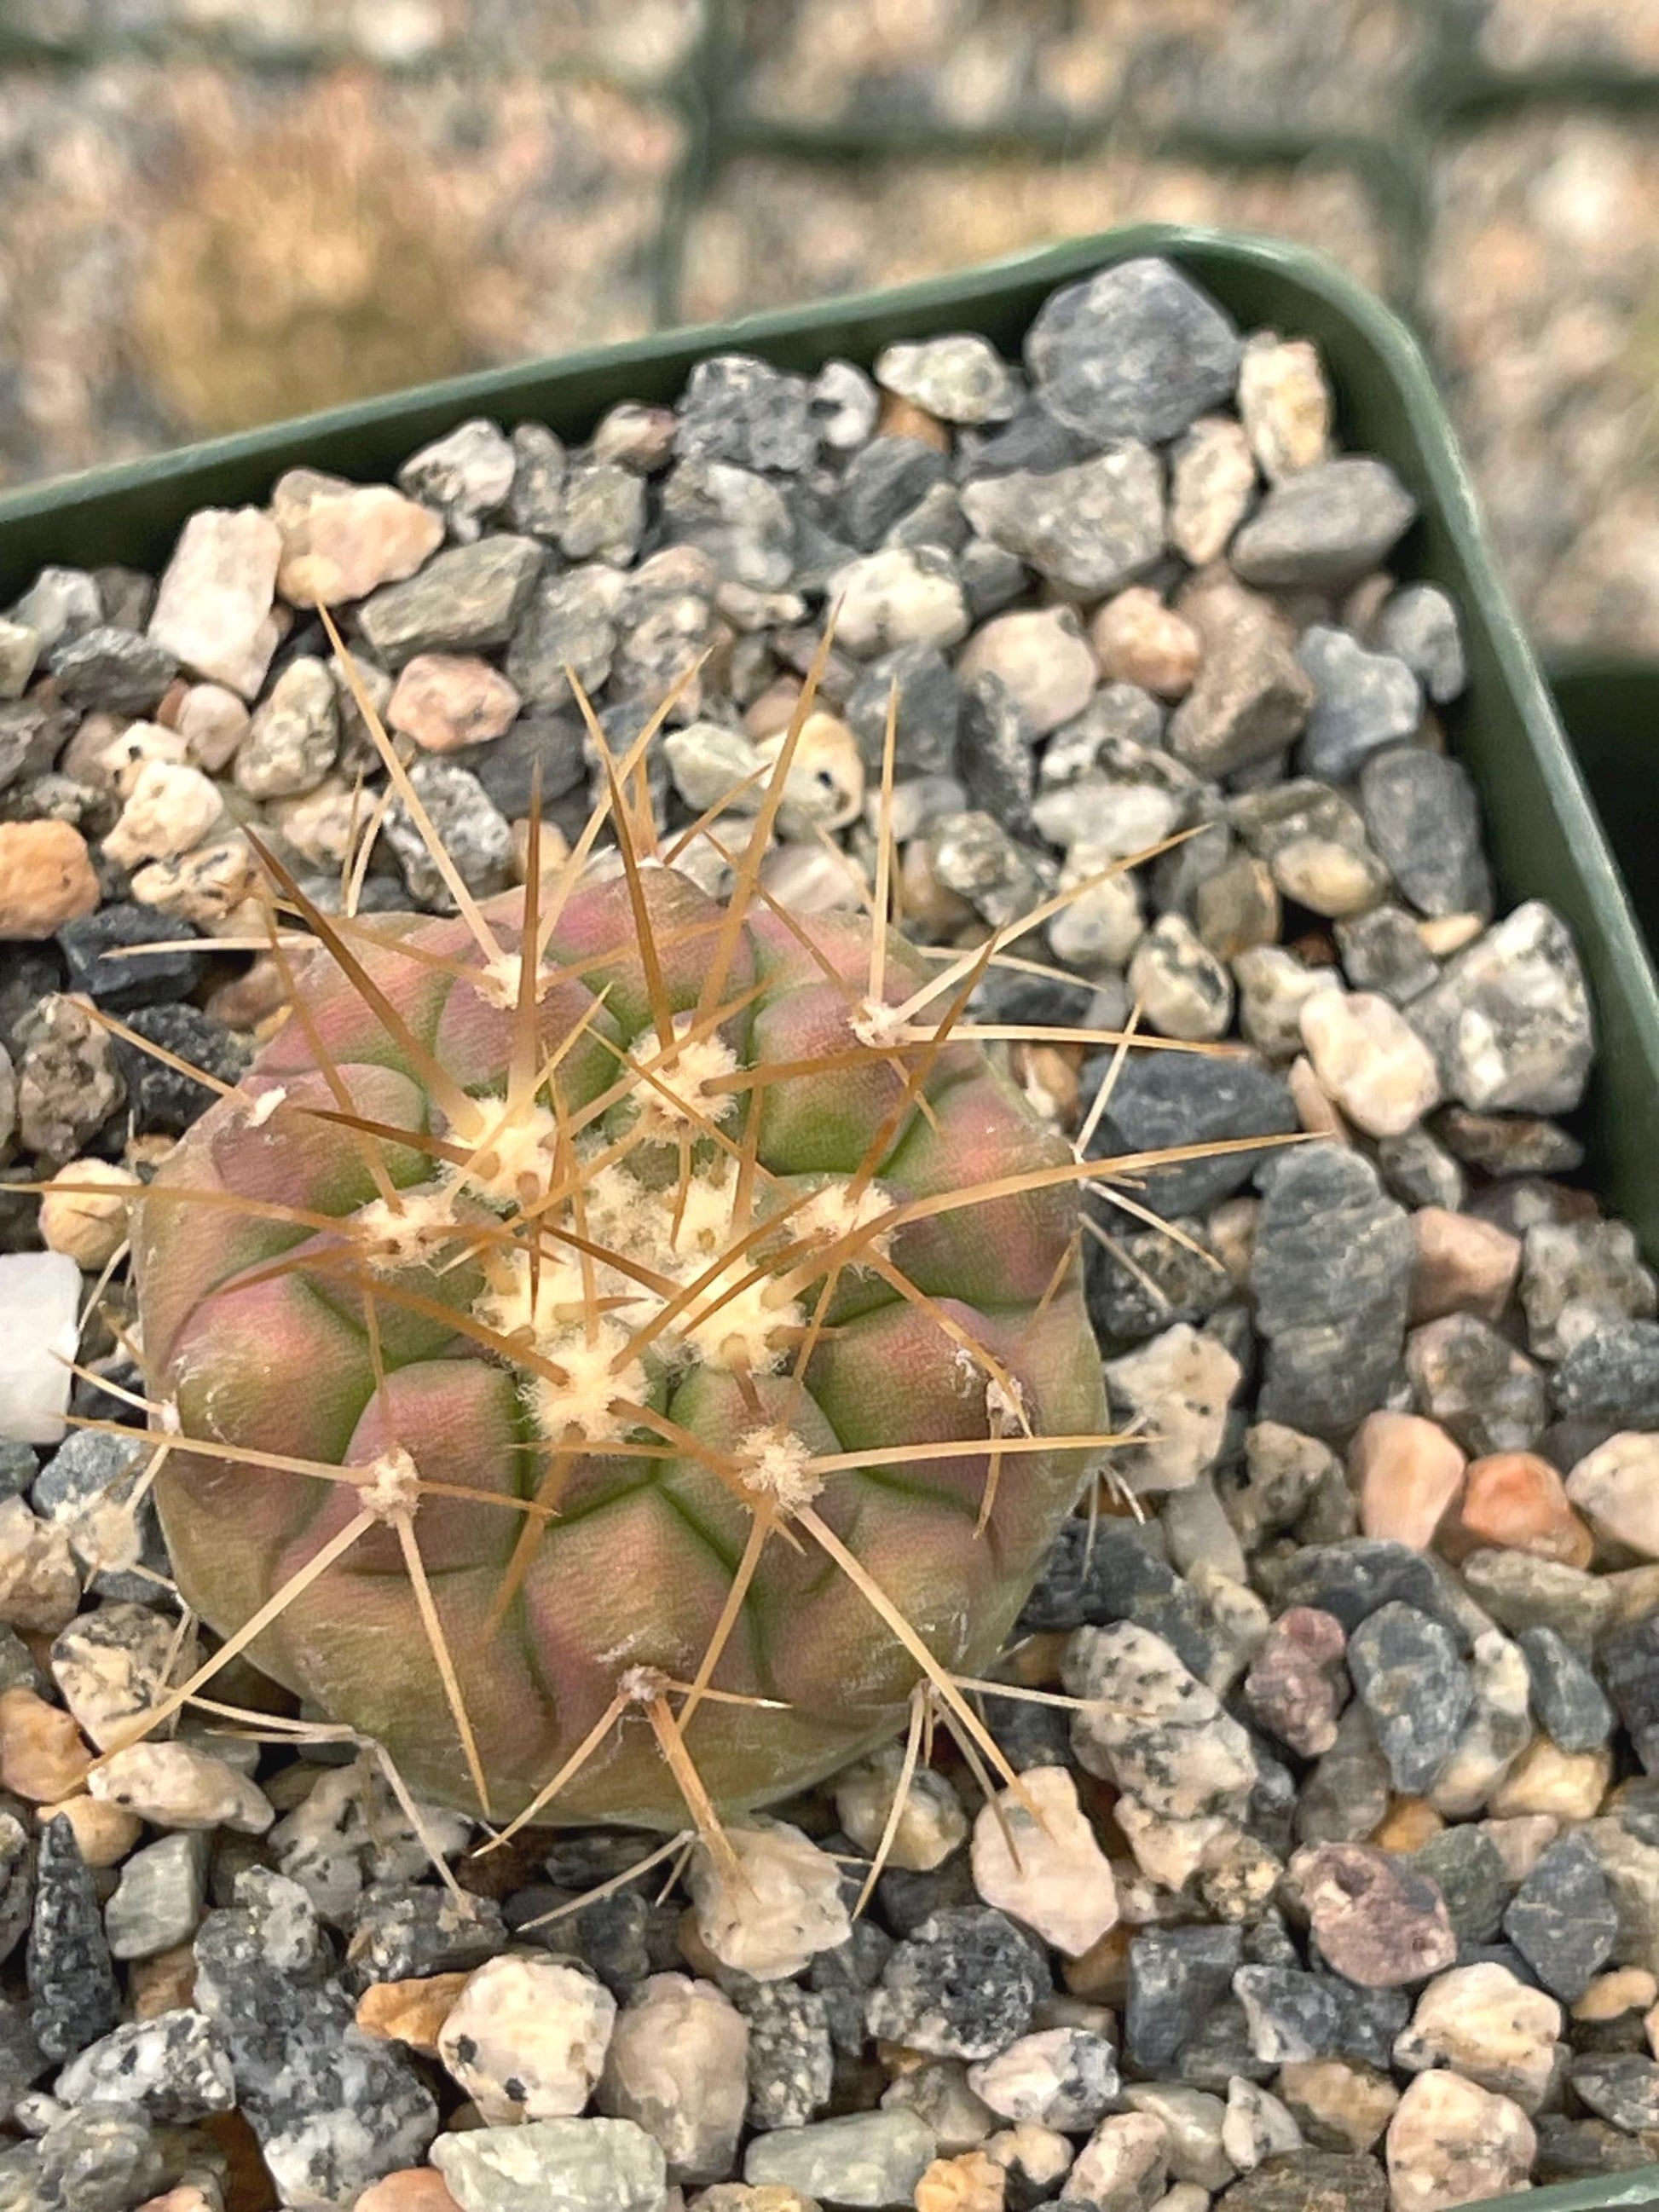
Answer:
(600, 1377)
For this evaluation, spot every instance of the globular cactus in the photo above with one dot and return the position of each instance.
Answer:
(614, 1344)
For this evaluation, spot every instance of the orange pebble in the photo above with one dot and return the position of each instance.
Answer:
(1517, 1502)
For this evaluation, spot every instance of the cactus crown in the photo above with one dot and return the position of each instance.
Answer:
(619, 1350)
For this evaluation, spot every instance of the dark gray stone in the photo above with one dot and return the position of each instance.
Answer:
(1365, 700)
(569, 628)
(738, 408)
(115, 670)
(963, 1986)
(161, 1097)
(1612, 1375)
(1167, 1098)
(71, 1978)
(1476, 1384)
(1324, 525)
(929, 710)
(144, 980)
(1157, 1281)
(91, 1468)
(1293, 2015)
(1331, 1276)
(1466, 1866)
(507, 766)
(1410, 1679)
(1423, 815)
(408, 1928)
(1355, 1578)
(471, 830)
(995, 755)
(1383, 950)
(1563, 1919)
(1137, 351)
(1420, 622)
(883, 482)
(1568, 1701)
(1421, 1172)
(792, 2062)
(466, 600)
(1310, 2181)
(1621, 2086)
(1175, 1975)
(1089, 1582)
(1630, 1661)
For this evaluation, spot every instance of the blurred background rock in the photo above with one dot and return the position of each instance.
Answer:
(216, 211)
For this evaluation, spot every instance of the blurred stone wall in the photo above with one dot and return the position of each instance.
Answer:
(215, 211)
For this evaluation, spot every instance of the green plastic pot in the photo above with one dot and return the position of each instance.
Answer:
(1611, 711)
(1544, 834)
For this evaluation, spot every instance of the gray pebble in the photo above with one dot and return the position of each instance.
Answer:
(466, 600)
(1176, 1975)
(883, 482)
(963, 1986)
(1571, 1708)
(103, 2158)
(1509, 1020)
(333, 2108)
(741, 520)
(995, 753)
(159, 1900)
(1330, 1274)
(958, 378)
(535, 503)
(1324, 525)
(409, 1928)
(466, 474)
(1629, 1661)
(173, 2064)
(791, 2059)
(1424, 816)
(473, 833)
(1137, 351)
(1563, 1920)
(865, 2159)
(1089, 529)
(1420, 624)
(60, 603)
(1612, 1377)
(554, 2165)
(1621, 2086)
(737, 407)
(71, 1979)
(1410, 1677)
(569, 625)
(1383, 950)
(602, 512)
(1476, 1384)
(1421, 1172)
(1467, 1867)
(1162, 1099)
(114, 671)
(929, 712)
(1365, 700)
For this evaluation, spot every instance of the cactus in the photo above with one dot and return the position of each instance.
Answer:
(614, 1344)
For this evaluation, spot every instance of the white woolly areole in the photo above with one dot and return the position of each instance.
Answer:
(832, 1214)
(1004, 1408)
(776, 1463)
(393, 1488)
(512, 1149)
(678, 1099)
(641, 1685)
(391, 1238)
(879, 1024)
(261, 1109)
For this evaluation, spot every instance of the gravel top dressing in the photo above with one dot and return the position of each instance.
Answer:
(1322, 1871)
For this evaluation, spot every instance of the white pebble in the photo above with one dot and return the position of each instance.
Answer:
(526, 2038)
(178, 1786)
(930, 1827)
(779, 1907)
(40, 1330)
(1060, 1884)
(679, 2064)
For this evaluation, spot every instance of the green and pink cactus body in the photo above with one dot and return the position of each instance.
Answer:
(637, 1372)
